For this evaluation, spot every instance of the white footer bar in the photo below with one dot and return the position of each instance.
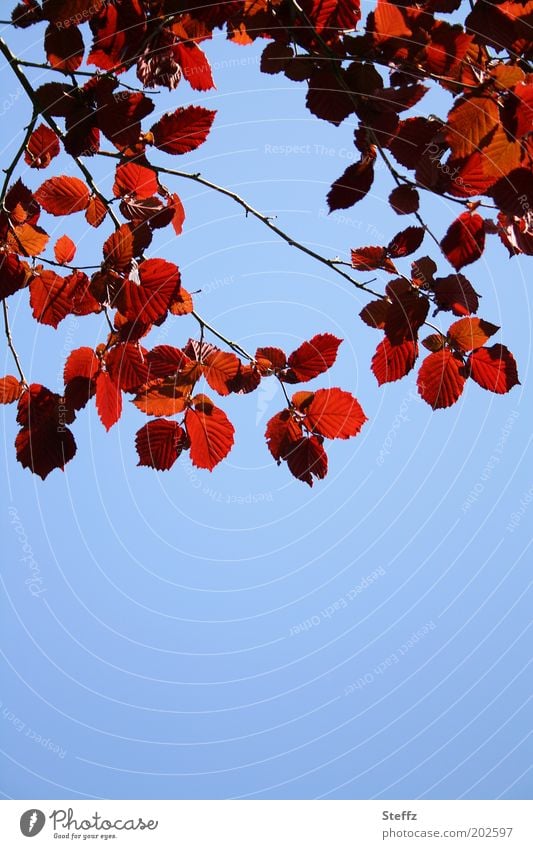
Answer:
(270, 824)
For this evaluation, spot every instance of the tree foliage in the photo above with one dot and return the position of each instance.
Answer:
(479, 156)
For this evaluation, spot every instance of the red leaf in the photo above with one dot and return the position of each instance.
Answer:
(407, 313)
(455, 294)
(412, 140)
(63, 195)
(68, 12)
(45, 448)
(159, 444)
(306, 459)
(406, 242)
(96, 211)
(327, 98)
(81, 363)
(353, 185)
(175, 203)
(64, 250)
(149, 301)
(282, 432)
(372, 258)
(494, 368)
(42, 147)
(10, 389)
(108, 400)
(136, 180)
(441, 379)
(275, 358)
(335, 414)
(375, 313)
(246, 380)
(64, 47)
(469, 333)
(183, 130)
(404, 200)
(210, 433)
(44, 442)
(392, 362)
(195, 66)
(127, 366)
(165, 360)
(14, 274)
(313, 358)
(465, 240)
(220, 369)
(50, 297)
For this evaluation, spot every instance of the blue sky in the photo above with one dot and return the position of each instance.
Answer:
(237, 634)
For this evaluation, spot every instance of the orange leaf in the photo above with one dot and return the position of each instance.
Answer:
(159, 444)
(470, 122)
(183, 304)
(64, 250)
(31, 238)
(469, 333)
(441, 379)
(63, 195)
(210, 433)
(219, 370)
(494, 368)
(96, 211)
(161, 398)
(10, 389)
(335, 414)
(108, 400)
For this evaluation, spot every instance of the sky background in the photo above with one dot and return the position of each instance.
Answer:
(237, 634)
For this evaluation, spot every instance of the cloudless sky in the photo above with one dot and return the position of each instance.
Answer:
(238, 634)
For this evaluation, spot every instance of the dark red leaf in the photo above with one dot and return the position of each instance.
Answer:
(159, 444)
(464, 241)
(183, 130)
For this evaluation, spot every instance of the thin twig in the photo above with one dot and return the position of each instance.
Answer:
(10, 345)
(234, 345)
(250, 210)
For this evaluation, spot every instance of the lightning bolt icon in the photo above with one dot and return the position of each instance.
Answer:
(33, 820)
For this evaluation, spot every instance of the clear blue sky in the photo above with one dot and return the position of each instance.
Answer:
(164, 657)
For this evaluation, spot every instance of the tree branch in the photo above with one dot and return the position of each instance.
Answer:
(250, 210)
(22, 78)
